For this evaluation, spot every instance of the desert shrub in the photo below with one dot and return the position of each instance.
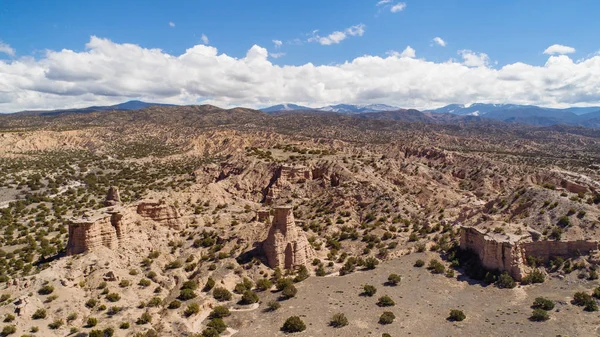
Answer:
(591, 305)
(95, 333)
(144, 282)
(186, 294)
(154, 302)
(91, 322)
(539, 315)
(393, 279)
(192, 309)
(39, 314)
(273, 305)
(217, 324)
(249, 297)
(289, 292)
(145, 318)
(436, 267)
(293, 324)
(456, 315)
(56, 324)
(46, 290)
(210, 283)
(581, 299)
(385, 301)
(419, 263)
(263, 284)
(124, 283)
(543, 303)
(505, 281)
(221, 294)
(72, 316)
(387, 317)
(369, 290)
(596, 292)
(338, 320)
(210, 332)
(174, 264)
(371, 263)
(302, 274)
(536, 276)
(9, 318)
(175, 304)
(124, 325)
(8, 330)
(219, 312)
(113, 297)
(283, 283)
(113, 310)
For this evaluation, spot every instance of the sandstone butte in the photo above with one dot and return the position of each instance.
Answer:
(508, 252)
(109, 226)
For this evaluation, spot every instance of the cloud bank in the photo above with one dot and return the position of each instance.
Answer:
(108, 72)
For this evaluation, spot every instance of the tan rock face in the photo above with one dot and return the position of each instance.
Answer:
(508, 253)
(110, 226)
(285, 247)
(494, 251)
(105, 229)
(160, 212)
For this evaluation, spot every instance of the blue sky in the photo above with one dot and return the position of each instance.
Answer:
(506, 32)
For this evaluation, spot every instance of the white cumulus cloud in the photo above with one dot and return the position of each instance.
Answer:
(337, 36)
(407, 52)
(107, 72)
(204, 39)
(559, 49)
(6, 49)
(399, 7)
(383, 2)
(171, 24)
(473, 59)
(277, 43)
(439, 41)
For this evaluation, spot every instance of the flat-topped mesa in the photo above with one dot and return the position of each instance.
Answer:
(505, 252)
(160, 212)
(285, 247)
(112, 197)
(103, 229)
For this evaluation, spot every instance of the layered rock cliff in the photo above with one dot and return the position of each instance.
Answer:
(508, 253)
(286, 247)
(110, 226)
(160, 212)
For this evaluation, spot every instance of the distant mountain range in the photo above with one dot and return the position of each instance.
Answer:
(510, 113)
(453, 113)
(126, 106)
(339, 108)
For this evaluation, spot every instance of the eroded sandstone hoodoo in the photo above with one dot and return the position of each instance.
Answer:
(112, 197)
(285, 247)
(160, 212)
(507, 252)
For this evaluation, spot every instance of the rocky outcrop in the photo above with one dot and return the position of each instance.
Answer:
(112, 197)
(104, 229)
(110, 226)
(263, 215)
(508, 253)
(286, 247)
(160, 212)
